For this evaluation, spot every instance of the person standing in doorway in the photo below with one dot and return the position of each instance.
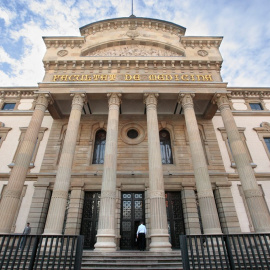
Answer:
(141, 232)
(26, 231)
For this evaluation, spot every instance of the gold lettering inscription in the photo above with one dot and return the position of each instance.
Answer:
(200, 77)
(56, 78)
(130, 77)
(184, 78)
(208, 77)
(152, 77)
(112, 77)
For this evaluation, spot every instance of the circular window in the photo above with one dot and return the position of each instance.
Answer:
(132, 133)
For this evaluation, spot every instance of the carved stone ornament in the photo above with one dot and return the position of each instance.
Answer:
(62, 53)
(132, 34)
(133, 50)
(202, 53)
(265, 125)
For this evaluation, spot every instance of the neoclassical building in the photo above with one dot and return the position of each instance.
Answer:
(132, 122)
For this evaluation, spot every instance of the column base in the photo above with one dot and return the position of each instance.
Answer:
(105, 243)
(160, 243)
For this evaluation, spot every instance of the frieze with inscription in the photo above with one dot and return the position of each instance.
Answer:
(131, 77)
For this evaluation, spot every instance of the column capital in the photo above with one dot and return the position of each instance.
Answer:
(43, 99)
(222, 101)
(186, 100)
(78, 100)
(114, 99)
(151, 99)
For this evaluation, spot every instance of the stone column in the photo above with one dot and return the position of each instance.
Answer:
(11, 196)
(159, 226)
(106, 223)
(74, 216)
(209, 214)
(254, 197)
(56, 214)
(191, 215)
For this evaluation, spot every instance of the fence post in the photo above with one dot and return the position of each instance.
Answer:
(184, 252)
(34, 253)
(229, 251)
(79, 251)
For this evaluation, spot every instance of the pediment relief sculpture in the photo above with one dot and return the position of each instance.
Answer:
(133, 50)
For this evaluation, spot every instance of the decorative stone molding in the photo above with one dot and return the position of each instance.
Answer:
(253, 193)
(3, 132)
(108, 194)
(250, 93)
(205, 194)
(63, 42)
(156, 194)
(62, 53)
(60, 194)
(132, 24)
(133, 50)
(151, 99)
(201, 42)
(264, 132)
(114, 99)
(78, 100)
(186, 100)
(202, 53)
(130, 126)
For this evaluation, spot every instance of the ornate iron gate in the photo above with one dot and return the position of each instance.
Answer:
(90, 218)
(176, 225)
(132, 212)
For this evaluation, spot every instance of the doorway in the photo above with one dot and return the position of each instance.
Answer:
(132, 212)
(175, 217)
(90, 214)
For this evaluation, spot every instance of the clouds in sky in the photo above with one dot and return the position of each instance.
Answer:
(245, 26)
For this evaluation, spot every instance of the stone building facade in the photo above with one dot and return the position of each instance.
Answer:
(131, 122)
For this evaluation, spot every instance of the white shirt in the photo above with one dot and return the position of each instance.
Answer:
(141, 229)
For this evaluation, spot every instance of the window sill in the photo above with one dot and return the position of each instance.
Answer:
(253, 165)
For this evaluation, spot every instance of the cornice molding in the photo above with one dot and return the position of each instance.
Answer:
(250, 93)
(128, 63)
(133, 24)
(63, 42)
(201, 42)
(17, 93)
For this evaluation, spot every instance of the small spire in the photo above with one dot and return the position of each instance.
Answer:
(132, 15)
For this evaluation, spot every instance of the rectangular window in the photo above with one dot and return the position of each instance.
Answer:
(8, 106)
(256, 106)
(267, 142)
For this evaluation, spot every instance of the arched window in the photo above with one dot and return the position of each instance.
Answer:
(165, 147)
(99, 148)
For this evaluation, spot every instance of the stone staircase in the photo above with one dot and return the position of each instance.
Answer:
(131, 260)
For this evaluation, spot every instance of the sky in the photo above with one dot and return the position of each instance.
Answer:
(244, 24)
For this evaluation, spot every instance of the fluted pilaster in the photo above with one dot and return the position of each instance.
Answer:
(207, 204)
(254, 197)
(159, 226)
(56, 214)
(10, 200)
(106, 223)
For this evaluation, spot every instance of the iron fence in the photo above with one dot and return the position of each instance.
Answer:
(234, 251)
(40, 252)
